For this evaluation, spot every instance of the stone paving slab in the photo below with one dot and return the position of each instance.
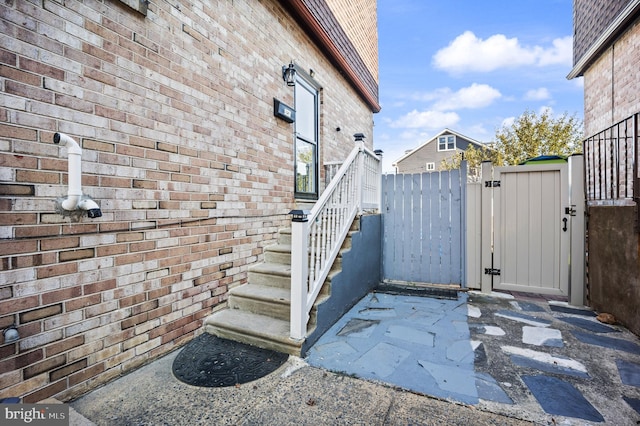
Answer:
(540, 336)
(629, 372)
(607, 342)
(523, 318)
(569, 310)
(589, 324)
(421, 344)
(526, 306)
(633, 403)
(561, 398)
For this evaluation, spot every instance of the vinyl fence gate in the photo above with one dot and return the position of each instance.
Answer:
(423, 227)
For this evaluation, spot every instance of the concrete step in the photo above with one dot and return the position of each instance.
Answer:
(271, 274)
(278, 253)
(262, 299)
(284, 236)
(253, 329)
(271, 301)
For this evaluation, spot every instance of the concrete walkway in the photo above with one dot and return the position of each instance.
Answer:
(400, 360)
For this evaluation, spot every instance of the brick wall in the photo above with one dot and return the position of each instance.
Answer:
(194, 175)
(359, 18)
(611, 83)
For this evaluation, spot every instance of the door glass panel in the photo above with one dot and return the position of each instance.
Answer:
(306, 145)
(305, 114)
(305, 167)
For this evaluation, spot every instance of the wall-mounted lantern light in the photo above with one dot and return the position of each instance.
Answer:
(289, 74)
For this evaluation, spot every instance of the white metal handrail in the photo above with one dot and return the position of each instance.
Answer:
(316, 239)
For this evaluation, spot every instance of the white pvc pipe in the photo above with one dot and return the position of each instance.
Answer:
(75, 170)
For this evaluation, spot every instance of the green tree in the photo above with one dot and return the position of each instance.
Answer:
(530, 135)
(474, 157)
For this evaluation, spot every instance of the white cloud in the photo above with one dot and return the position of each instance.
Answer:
(540, 94)
(579, 83)
(479, 133)
(508, 122)
(560, 54)
(426, 120)
(431, 96)
(474, 96)
(546, 109)
(470, 53)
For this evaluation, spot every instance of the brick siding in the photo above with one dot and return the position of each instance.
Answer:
(611, 83)
(359, 19)
(193, 174)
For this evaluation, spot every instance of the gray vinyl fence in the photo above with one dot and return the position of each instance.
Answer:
(423, 227)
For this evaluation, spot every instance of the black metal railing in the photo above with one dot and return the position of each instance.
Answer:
(611, 164)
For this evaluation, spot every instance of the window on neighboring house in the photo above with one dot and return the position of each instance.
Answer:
(446, 143)
(431, 167)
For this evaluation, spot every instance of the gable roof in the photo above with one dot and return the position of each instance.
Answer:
(445, 131)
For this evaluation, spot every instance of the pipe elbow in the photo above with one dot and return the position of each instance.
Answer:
(92, 208)
(71, 202)
(67, 141)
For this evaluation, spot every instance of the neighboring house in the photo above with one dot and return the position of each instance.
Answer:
(192, 172)
(429, 156)
(606, 54)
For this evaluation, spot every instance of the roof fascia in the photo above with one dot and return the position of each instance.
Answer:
(331, 50)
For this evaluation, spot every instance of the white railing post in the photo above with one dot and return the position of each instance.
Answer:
(299, 273)
(360, 176)
(378, 177)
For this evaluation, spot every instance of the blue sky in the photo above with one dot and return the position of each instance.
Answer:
(470, 66)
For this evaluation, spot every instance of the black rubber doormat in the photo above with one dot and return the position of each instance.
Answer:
(210, 361)
(415, 290)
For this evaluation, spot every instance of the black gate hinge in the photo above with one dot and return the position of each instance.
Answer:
(491, 271)
(492, 184)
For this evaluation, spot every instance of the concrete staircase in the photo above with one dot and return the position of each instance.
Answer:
(258, 312)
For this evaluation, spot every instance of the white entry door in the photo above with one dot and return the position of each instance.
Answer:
(531, 234)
